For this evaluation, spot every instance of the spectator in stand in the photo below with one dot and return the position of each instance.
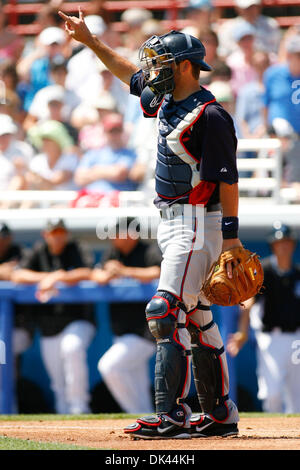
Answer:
(92, 136)
(34, 68)
(281, 82)
(267, 31)
(199, 14)
(15, 156)
(134, 19)
(83, 76)
(221, 72)
(106, 169)
(66, 329)
(11, 44)
(241, 60)
(143, 169)
(290, 145)
(56, 92)
(54, 167)
(250, 104)
(47, 15)
(125, 366)
(211, 42)
(9, 90)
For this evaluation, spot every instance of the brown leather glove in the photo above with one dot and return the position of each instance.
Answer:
(247, 278)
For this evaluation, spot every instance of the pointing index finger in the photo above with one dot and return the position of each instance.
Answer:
(63, 15)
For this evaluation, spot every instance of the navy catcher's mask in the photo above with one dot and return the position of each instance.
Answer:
(158, 54)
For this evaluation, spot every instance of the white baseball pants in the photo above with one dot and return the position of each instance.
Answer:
(125, 371)
(190, 246)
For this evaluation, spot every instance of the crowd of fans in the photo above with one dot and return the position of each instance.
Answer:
(67, 123)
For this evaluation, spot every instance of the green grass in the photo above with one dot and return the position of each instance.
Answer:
(12, 443)
(57, 417)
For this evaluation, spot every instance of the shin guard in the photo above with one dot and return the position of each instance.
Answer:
(208, 369)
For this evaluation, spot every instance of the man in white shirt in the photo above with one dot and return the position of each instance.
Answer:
(15, 155)
(267, 31)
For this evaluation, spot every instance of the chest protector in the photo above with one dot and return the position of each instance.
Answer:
(177, 170)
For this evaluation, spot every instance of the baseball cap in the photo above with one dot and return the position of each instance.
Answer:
(112, 121)
(54, 224)
(200, 5)
(52, 35)
(95, 24)
(243, 29)
(53, 130)
(293, 44)
(136, 16)
(4, 230)
(54, 93)
(7, 125)
(281, 231)
(105, 101)
(246, 3)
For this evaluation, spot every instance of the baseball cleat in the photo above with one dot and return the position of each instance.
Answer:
(157, 427)
(203, 425)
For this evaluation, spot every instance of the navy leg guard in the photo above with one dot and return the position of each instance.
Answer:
(207, 372)
(172, 361)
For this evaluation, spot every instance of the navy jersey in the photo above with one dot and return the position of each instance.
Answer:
(280, 298)
(196, 147)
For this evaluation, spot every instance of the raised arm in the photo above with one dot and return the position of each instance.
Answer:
(117, 64)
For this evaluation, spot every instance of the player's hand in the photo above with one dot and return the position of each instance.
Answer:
(76, 27)
(115, 268)
(227, 244)
(235, 343)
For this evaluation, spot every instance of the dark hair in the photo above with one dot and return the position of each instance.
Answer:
(8, 67)
(209, 34)
(221, 69)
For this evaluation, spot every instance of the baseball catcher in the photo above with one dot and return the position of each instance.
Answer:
(197, 196)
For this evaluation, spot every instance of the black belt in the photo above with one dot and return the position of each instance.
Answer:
(169, 212)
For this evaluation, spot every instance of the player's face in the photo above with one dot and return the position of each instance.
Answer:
(283, 248)
(56, 240)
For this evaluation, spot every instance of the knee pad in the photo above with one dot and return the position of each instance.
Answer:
(161, 314)
(207, 370)
(172, 362)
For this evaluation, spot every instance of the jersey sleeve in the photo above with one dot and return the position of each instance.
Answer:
(219, 144)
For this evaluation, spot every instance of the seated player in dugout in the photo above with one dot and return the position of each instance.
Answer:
(66, 329)
(125, 366)
(196, 165)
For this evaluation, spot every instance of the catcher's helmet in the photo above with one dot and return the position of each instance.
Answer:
(281, 231)
(159, 52)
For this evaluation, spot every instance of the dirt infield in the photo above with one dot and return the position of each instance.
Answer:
(256, 433)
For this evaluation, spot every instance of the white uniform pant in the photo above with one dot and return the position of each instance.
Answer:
(190, 246)
(65, 359)
(278, 370)
(125, 371)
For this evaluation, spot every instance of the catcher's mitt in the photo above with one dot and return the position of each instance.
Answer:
(247, 278)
